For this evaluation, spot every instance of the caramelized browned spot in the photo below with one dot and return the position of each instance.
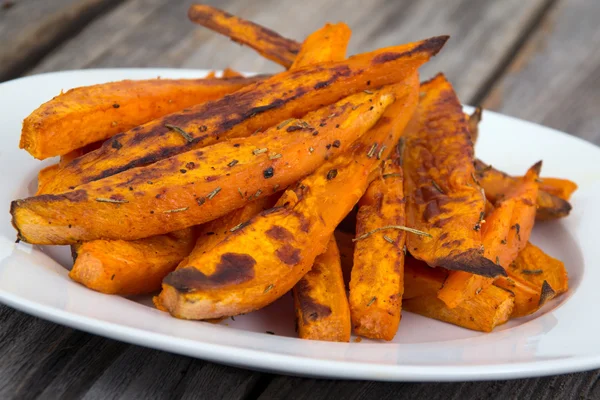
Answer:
(233, 269)
(280, 233)
(472, 261)
(546, 294)
(311, 309)
(288, 254)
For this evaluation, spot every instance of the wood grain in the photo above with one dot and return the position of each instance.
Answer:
(29, 29)
(555, 80)
(153, 33)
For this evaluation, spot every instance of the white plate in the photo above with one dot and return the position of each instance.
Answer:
(560, 338)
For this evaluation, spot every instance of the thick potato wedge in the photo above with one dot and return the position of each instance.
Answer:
(534, 278)
(377, 279)
(490, 308)
(326, 44)
(257, 107)
(558, 187)
(89, 114)
(442, 196)
(266, 42)
(45, 175)
(263, 260)
(130, 268)
(182, 191)
(505, 232)
(497, 184)
(320, 301)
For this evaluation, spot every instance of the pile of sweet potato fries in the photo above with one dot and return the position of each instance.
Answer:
(224, 193)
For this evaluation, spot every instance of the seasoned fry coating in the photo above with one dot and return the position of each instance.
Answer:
(505, 233)
(182, 191)
(320, 301)
(263, 260)
(88, 114)
(254, 108)
(534, 278)
(442, 197)
(497, 184)
(130, 268)
(267, 43)
(377, 280)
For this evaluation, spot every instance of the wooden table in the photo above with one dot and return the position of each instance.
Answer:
(537, 59)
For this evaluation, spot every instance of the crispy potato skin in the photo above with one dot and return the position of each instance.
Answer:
(259, 106)
(497, 184)
(490, 308)
(377, 280)
(178, 192)
(442, 197)
(320, 301)
(89, 114)
(266, 42)
(505, 232)
(534, 278)
(130, 268)
(326, 44)
(279, 246)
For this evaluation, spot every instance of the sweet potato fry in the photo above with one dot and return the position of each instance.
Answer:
(505, 232)
(267, 43)
(70, 156)
(496, 184)
(558, 187)
(88, 114)
(263, 260)
(377, 279)
(45, 175)
(130, 268)
(320, 301)
(490, 308)
(442, 197)
(534, 278)
(286, 95)
(326, 44)
(178, 192)
(473, 124)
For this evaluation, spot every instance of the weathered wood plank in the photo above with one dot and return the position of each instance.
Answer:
(29, 29)
(143, 33)
(555, 80)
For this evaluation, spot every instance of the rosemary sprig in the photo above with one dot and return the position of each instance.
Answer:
(380, 152)
(371, 301)
(259, 151)
(388, 239)
(284, 123)
(268, 289)
(398, 227)
(371, 151)
(532, 271)
(176, 210)
(183, 133)
(437, 187)
(394, 174)
(105, 200)
(274, 156)
(213, 193)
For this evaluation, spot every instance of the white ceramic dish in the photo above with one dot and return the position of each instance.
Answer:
(561, 338)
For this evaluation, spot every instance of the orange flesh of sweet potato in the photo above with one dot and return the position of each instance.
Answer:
(490, 308)
(505, 231)
(377, 279)
(266, 42)
(558, 187)
(326, 44)
(178, 192)
(279, 246)
(89, 114)
(45, 175)
(259, 106)
(442, 197)
(231, 73)
(534, 278)
(497, 184)
(320, 299)
(130, 268)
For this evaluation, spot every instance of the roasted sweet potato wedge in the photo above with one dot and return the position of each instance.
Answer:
(264, 259)
(231, 73)
(320, 301)
(377, 279)
(490, 308)
(200, 185)
(473, 124)
(254, 108)
(89, 114)
(130, 268)
(267, 43)
(442, 196)
(505, 232)
(45, 175)
(326, 44)
(534, 278)
(558, 187)
(497, 184)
